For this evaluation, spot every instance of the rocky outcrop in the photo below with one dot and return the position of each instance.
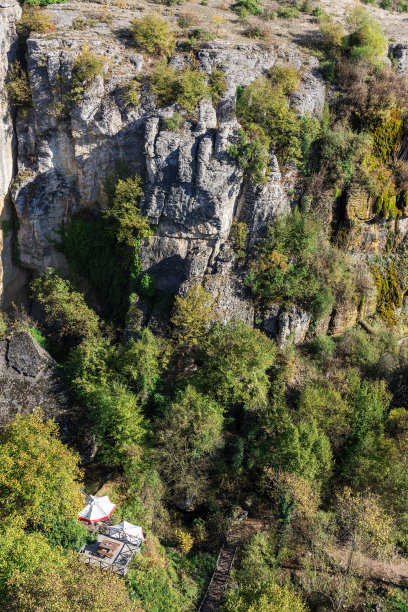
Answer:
(193, 189)
(29, 380)
(12, 278)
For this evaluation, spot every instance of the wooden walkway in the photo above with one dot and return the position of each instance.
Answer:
(219, 581)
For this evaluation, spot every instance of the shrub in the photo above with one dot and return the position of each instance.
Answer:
(40, 475)
(173, 123)
(68, 533)
(164, 83)
(284, 77)
(3, 325)
(235, 361)
(332, 33)
(185, 541)
(252, 7)
(218, 85)
(129, 225)
(341, 153)
(192, 316)
(186, 20)
(87, 67)
(267, 105)
(252, 153)
(367, 41)
(43, 2)
(192, 87)
(389, 290)
(34, 19)
(131, 93)
(201, 35)
(18, 86)
(295, 263)
(64, 308)
(264, 595)
(153, 35)
(80, 23)
(38, 336)
(238, 237)
(257, 31)
(288, 12)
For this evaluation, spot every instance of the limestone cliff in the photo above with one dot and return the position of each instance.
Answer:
(193, 190)
(12, 278)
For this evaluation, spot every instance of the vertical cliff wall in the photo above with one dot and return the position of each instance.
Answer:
(12, 278)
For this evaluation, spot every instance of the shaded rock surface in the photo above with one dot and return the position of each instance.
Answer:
(12, 278)
(29, 380)
(193, 189)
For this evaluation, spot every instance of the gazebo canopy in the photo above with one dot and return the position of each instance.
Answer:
(126, 531)
(97, 509)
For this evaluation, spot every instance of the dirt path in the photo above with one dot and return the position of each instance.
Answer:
(219, 581)
(391, 572)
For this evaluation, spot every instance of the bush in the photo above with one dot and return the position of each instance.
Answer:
(264, 595)
(18, 86)
(80, 23)
(34, 19)
(68, 533)
(91, 250)
(164, 83)
(38, 336)
(186, 20)
(185, 87)
(153, 35)
(197, 36)
(288, 12)
(266, 104)
(40, 475)
(41, 2)
(192, 87)
(129, 225)
(64, 308)
(235, 361)
(367, 41)
(258, 32)
(172, 124)
(238, 237)
(252, 153)
(295, 263)
(131, 93)
(87, 67)
(252, 7)
(218, 85)
(3, 325)
(192, 316)
(185, 541)
(332, 34)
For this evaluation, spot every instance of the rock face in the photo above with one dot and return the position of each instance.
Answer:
(29, 380)
(12, 278)
(193, 189)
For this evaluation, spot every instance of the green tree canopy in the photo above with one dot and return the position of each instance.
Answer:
(187, 439)
(235, 361)
(40, 478)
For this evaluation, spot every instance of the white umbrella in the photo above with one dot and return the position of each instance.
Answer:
(127, 531)
(97, 509)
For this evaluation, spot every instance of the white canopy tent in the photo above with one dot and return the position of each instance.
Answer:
(97, 509)
(126, 531)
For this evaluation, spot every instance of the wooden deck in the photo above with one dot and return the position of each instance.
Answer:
(121, 556)
(242, 529)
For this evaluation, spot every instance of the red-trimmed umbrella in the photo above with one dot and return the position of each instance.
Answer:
(97, 509)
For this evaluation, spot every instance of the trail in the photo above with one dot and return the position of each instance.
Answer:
(219, 581)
